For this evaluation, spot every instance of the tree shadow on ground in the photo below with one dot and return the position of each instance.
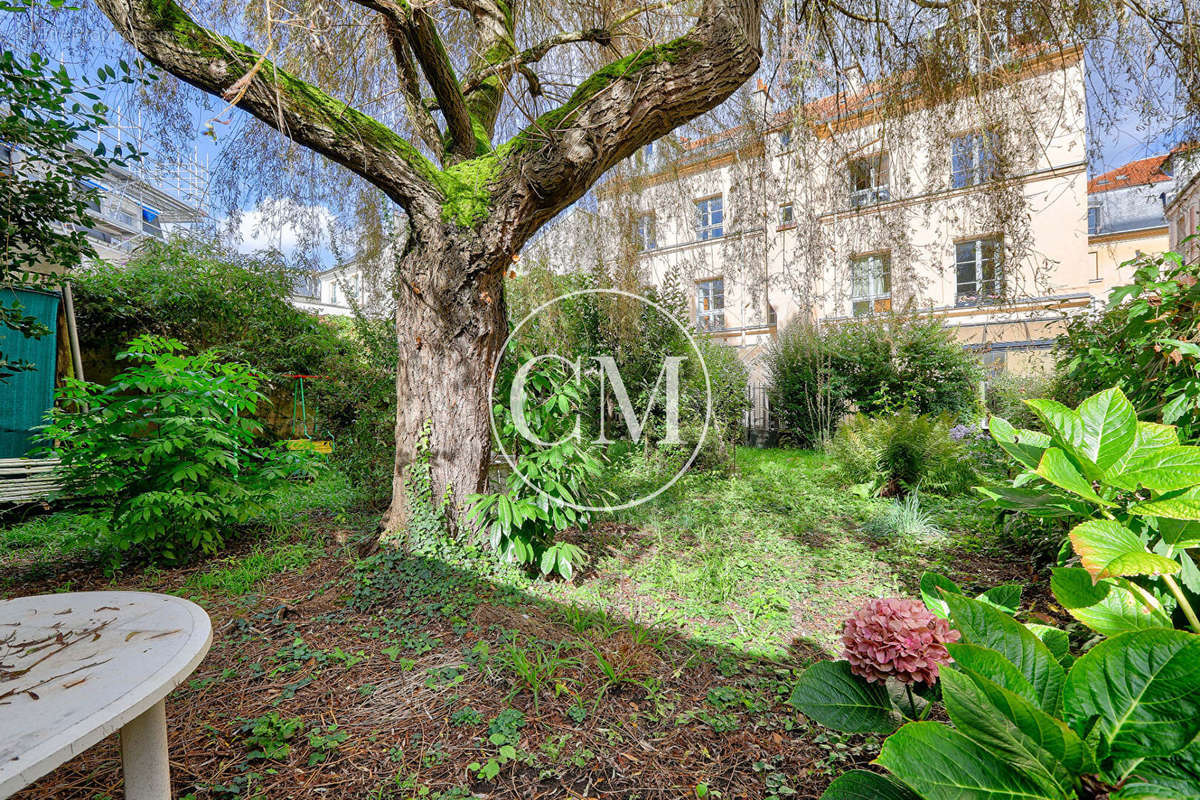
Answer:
(433, 670)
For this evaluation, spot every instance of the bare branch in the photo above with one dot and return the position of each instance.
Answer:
(426, 44)
(410, 84)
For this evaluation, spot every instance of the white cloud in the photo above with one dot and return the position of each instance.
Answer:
(281, 224)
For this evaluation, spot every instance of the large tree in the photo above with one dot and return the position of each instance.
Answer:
(474, 204)
(467, 73)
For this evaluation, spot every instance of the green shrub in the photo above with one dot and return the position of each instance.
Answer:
(205, 296)
(639, 338)
(1027, 719)
(543, 495)
(808, 390)
(356, 405)
(906, 362)
(873, 365)
(899, 453)
(728, 377)
(1142, 343)
(1134, 492)
(169, 447)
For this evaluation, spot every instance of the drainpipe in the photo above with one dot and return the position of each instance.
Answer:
(72, 332)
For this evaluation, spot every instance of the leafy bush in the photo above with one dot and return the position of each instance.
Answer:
(901, 453)
(541, 494)
(1026, 718)
(728, 378)
(640, 339)
(205, 296)
(808, 390)
(356, 405)
(169, 447)
(1143, 344)
(1137, 492)
(45, 199)
(872, 366)
(907, 362)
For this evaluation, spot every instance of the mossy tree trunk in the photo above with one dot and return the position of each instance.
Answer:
(450, 326)
(473, 211)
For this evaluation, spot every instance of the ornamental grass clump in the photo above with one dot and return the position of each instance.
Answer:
(896, 637)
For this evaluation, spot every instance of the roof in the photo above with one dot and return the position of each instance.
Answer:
(1142, 172)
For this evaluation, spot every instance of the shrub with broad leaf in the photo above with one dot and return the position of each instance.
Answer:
(1135, 491)
(170, 447)
(544, 493)
(1027, 719)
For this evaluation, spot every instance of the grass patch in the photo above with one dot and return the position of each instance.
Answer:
(239, 575)
(766, 560)
(62, 536)
(46, 544)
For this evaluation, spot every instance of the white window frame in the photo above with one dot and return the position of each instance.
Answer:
(787, 214)
(973, 159)
(877, 187)
(710, 304)
(977, 292)
(710, 218)
(1094, 220)
(866, 290)
(645, 232)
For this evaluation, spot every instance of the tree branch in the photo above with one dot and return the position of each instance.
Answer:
(622, 107)
(426, 44)
(489, 72)
(410, 84)
(169, 38)
(536, 53)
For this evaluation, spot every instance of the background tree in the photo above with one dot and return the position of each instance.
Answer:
(471, 203)
(44, 200)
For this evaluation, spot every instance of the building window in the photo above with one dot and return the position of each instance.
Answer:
(869, 180)
(972, 159)
(710, 218)
(1093, 219)
(785, 138)
(333, 292)
(870, 284)
(151, 223)
(979, 271)
(6, 159)
(91, 191)
(772, 317)
(710, 304)
(787, 215)
(648, 150)
(644, 234)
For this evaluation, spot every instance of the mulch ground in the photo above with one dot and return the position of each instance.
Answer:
(419, 665)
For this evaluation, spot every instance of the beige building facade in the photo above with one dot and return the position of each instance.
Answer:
(974, 211)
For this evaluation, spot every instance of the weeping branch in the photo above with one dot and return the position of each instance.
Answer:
(169, 38)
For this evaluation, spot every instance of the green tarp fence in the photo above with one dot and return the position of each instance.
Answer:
(26, 396)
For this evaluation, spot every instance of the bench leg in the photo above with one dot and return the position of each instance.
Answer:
(144, 755)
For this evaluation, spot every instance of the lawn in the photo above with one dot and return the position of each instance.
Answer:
(661, 671)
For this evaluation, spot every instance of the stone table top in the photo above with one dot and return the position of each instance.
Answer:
(76, 667)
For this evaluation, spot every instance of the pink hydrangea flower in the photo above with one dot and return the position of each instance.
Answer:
(896, 637)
